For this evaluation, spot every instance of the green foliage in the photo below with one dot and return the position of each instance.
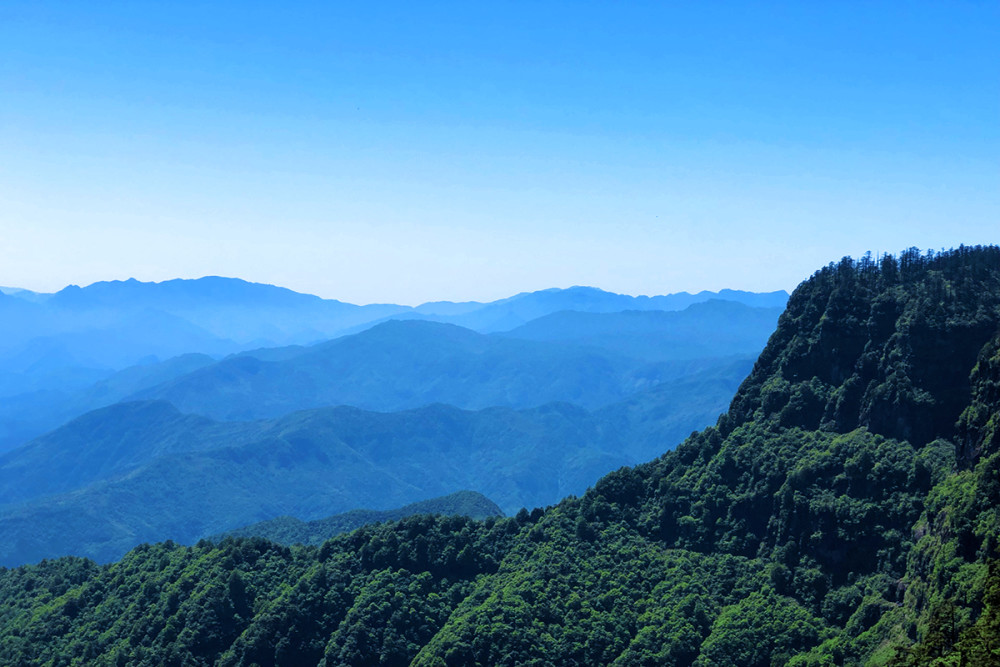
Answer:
(887, 345)
(289, 530)
(979, 425)
(834, 517)
(942, 644)
(760, 630)
(250, 601)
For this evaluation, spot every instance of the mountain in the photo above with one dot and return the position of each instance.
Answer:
(710, 329)
(228, 308)
(515, 311)
(138, 471)
(143, 471)
(28, 415)
(57, 346)
(507, 314)
(25, 294)
(245, 314)
(590, 359)
(393, 366)
(406, 364)
(844, 511)
(133, 339)
(651, 421)
(289, 530)
(65, 342)
(107, 443)
(109, 336)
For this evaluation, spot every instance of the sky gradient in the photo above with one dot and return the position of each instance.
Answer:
(407, 152)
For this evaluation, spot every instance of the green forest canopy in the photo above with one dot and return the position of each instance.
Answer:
(844, 511)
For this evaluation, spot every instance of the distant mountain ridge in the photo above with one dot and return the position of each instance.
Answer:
(713, 328)
(143, 471)
(401, 411)
(57, 347)
(512, 312)
(28, 415)
(844, 511)
(399, 365)
(84, 480)
(242, 313)
(25, 294)
(289, 530)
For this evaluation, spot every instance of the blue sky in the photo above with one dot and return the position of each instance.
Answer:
(408, 152)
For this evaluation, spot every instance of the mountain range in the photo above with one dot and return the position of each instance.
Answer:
(144, 471)
(434, 407)
(404, 364)
(843, 511)
(84, 348)
(228, 314)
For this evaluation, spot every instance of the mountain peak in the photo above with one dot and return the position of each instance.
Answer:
(838, 358)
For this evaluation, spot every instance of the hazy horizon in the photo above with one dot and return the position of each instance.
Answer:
(7, 288)
(401, 153)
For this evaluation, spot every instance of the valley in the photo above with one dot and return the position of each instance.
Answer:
(842, 509)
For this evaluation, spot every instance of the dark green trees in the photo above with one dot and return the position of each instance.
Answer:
(844, 512)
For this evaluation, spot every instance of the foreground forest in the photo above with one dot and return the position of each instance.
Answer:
(844, 511)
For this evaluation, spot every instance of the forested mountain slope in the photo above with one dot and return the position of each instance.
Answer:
(138, 472)
(844, 512)
(106, 443)
(290, 530)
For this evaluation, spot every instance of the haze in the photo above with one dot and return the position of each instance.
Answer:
(405, 153)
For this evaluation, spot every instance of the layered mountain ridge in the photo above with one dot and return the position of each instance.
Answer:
(844, 511)
(65, 353)
(145, 467)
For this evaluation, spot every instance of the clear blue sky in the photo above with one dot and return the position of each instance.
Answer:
(405, 152)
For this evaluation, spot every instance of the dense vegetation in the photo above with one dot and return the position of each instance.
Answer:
(844, 512)
(142, 472)
(290, 530)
